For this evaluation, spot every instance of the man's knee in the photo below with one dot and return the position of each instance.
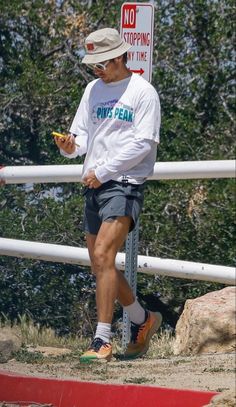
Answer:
(102, 260)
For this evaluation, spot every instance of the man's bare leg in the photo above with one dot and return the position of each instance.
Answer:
(125, 295)
(111, 284)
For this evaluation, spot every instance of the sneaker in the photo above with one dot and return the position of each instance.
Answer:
(98, 350)
(141, 335)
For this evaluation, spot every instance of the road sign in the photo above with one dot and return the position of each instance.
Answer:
(137, 22)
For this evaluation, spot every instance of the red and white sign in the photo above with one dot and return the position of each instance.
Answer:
(137, 22)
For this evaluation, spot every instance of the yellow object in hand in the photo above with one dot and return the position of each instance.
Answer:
(55, 134)
(64, 136)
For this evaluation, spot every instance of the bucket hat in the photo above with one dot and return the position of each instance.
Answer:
(104, 44)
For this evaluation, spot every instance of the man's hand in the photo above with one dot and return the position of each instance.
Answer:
(91, 181)
(67, 144)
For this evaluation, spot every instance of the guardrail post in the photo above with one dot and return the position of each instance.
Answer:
(131, 261)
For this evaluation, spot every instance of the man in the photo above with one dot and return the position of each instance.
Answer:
(117, 126)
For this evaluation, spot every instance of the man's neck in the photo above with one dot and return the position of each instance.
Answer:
(123, 74)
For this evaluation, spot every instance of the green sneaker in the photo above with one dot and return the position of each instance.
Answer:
(98, 350)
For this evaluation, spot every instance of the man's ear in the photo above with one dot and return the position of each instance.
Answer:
(118, 59)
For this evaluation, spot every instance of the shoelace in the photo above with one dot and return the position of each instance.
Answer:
(97, 343)
(135, 330)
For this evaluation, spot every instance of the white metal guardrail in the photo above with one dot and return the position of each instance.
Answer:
(72, 173)
(145, 264)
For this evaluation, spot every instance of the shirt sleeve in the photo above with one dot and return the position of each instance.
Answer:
(148, 118)
(129, 157)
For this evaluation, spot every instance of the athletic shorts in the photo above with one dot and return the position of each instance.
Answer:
(111, 200)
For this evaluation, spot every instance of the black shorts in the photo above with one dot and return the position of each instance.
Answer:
(111, 200)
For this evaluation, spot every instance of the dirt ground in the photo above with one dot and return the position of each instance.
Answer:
(215, 372)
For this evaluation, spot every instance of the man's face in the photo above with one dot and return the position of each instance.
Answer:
(109, 71)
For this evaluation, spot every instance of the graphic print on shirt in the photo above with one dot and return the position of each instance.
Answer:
(114, 110)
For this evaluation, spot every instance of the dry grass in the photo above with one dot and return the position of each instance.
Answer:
(161, 345)
(33, 334)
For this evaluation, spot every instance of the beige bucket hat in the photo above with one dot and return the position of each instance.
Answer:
(104, 44)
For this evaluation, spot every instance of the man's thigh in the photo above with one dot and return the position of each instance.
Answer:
(112, 235)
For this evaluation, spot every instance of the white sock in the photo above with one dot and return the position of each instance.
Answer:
(136, 312)
(103, 331)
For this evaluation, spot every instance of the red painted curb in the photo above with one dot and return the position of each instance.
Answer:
(71, 393)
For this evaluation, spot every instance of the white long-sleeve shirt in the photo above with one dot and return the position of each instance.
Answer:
(117, 126)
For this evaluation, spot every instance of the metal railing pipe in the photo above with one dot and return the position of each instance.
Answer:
(194, 169)
(146, 264)
(163, 170)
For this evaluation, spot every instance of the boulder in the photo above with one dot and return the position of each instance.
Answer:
(10, 341)
(207, 324)
(227, 399)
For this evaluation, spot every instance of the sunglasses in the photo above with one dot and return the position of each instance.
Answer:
(99, 66)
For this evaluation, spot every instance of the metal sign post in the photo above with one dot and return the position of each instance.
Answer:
(131, 257)
(137, 22)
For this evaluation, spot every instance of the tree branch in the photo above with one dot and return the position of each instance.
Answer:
(226, 109)
(52, 51)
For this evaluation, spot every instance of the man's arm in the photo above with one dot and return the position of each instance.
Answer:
(129, 157)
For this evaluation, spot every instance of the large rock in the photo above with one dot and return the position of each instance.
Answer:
(10, 341)
(226, 399)
(207, 324)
